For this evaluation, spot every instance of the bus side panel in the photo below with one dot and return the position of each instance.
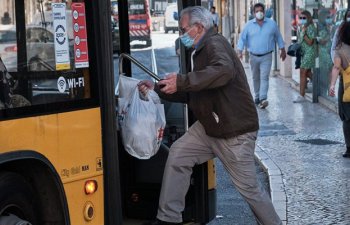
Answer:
(72, 143)
(77, 200)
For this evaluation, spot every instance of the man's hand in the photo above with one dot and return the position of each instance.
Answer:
(169, 83)
(144, 86)
(283, 54)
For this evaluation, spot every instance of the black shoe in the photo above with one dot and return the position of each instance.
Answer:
(159, 222)
(346, 154)
(257, 101)
(263, 104)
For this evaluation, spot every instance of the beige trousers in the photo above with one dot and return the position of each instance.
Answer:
(237, 156)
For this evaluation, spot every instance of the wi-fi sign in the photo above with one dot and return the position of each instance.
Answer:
(61, 84)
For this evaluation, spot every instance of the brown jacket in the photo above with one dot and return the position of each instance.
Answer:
(217, 90)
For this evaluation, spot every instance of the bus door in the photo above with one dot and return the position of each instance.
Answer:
(141, 179)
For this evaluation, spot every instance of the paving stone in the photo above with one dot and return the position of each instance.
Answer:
(316, 178)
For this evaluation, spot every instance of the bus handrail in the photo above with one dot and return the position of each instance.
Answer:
(138, 64)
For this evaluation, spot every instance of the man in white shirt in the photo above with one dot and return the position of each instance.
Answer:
(215, 17)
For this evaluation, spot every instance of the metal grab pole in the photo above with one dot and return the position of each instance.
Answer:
(138, 64)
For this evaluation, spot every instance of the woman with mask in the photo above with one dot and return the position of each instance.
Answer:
(306, 38)
(341, 61)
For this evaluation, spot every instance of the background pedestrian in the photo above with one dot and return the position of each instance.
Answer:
(335, 36)
(6, 19)
(342, 62)
(215, 17)
(259, 36)
(307, 39)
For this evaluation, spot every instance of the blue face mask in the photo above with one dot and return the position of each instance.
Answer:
(302, 21)
(348, 19)
(186, 40)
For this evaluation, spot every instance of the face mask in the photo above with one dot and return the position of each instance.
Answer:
(302, 21)
(186, 40)
(329, 21)
(348, 19)
(259, 15)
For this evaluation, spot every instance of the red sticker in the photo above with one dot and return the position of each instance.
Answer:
(80, 37)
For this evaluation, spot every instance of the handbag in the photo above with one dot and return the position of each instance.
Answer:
(293, 49)
(346, 80)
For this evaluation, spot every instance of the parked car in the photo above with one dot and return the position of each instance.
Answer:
(8, 44)
(170, 20)
(40, 49)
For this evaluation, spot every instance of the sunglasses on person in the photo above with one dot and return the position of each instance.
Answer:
(302, 17)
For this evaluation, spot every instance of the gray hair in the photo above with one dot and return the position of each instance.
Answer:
(200, 15)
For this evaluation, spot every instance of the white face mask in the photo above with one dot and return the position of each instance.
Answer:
(259, 15)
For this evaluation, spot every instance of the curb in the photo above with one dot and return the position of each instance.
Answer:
(332, 105)
(277, 187)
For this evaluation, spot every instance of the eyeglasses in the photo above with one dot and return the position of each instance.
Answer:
(302, 17)
(184, 29)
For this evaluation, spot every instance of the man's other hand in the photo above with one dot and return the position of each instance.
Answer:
(168, 84)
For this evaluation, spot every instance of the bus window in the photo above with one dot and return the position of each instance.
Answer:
(47, 71)
(137, 7)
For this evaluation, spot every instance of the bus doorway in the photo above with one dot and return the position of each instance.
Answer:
(141, 179)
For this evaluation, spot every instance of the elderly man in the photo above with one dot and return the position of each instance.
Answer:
(259, 36)
(217, 92)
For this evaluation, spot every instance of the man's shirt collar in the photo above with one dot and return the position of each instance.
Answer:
(254, 20)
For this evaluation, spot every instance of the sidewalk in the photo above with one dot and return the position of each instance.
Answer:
(301, 146)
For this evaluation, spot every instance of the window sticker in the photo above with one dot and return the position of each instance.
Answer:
(61, 37)
(80, 38)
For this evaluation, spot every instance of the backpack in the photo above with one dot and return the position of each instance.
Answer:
(346, 81)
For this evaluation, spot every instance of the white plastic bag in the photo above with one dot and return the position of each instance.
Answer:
(142, 121)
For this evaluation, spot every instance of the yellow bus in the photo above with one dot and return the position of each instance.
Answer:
(61, 160)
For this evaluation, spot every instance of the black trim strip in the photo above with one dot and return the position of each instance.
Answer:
(101, 12)
(47, 109)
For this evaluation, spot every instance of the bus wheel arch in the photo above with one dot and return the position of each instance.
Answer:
(16, 198)
(49, 201)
